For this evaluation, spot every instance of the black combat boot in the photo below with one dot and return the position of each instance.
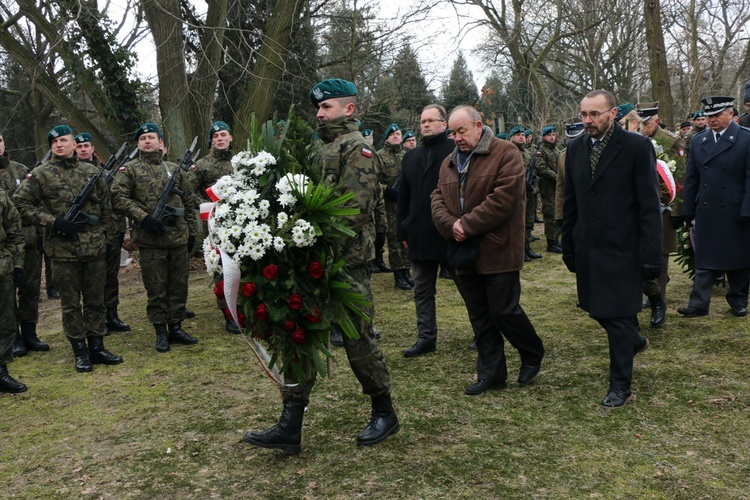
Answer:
(531, 254)
(231, 326)
(81, 351)
(179, 336)
(114, 323)
(553, 246)
(658, 310)
(286, 434)
(383, 422)
(99, 355)
(30, 340)
(19, 349)
(8, 383)
(336, 335)
(408, 277)
(381, 265)
(162, 340)
(400, 281)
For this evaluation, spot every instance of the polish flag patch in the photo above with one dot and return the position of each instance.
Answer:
(366, 152)
(28, 176)
(121, 169)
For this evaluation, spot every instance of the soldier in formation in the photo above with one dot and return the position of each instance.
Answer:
(546, 168)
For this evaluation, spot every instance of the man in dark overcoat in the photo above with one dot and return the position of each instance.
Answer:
(612, 235)
(716, 197)
(415, 229)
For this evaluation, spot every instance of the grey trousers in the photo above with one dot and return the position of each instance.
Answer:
(700, 295)
(425, 278)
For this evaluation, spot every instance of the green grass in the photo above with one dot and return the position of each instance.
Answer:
(170, 425)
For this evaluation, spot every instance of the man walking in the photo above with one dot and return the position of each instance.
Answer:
(611, 236)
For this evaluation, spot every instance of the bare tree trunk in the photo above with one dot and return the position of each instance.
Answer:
(657, 61)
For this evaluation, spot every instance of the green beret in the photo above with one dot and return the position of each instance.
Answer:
(408, 135)
(367, 132)
(548, 130)
(216, 127)
(58, 131)
(83, 137)
(147, 127)
(515, 130)
(393, 127)
(527, 132)
(503, 136)
(622, 110)
(330, 89)
(698, 114)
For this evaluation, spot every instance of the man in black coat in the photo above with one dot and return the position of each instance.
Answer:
(717, 196)
(612, 234)
(415, 228)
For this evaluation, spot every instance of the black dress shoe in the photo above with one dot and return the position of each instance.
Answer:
(691, 312)
(738, 311)
(419, 348)
(445, 274)
(189, 314)
(643, 347)
(527, 373)
(382, 424)
(658, 310)
(616, 398)
(484, 385)
(337, 336)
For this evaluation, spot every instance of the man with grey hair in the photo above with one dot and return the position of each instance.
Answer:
(479, 207)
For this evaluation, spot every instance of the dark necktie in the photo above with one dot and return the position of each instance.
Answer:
(718, 136)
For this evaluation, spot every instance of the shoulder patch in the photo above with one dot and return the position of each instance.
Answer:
(192, 166)
(681, 152)
(28, 176)
(366, 152)
(539, 153)
(121, 169)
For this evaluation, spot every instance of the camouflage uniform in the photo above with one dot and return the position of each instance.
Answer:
(347, 161)
(78, 267)
(546, 169)
(27, 305)
(526, 156)
(390, 157)
(164, 256)
(11, 257)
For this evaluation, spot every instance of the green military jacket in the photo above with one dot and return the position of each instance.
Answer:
(546, 163)
(118, 221)
(390, 158)
(12, 174)
(347, 161)
(47, 194)
(208, 170)
(135, 194)
(11, 237)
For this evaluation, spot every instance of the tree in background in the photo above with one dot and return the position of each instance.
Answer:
(460, 87)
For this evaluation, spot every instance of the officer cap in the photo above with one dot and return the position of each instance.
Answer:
(573, 129)
(647, 110)
(393, 127)
(713, 105)
(503, 136)
(83, 137)
(698, 114)
(58, 131)
(367, 132)
(622, 110)
(527, 132)
(147, 127)
(216, 127)
(515, 130)
(548, 130)
(330, 89)
(408, 135)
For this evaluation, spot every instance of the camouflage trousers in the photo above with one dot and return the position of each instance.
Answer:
(547, 192)
(365, 357)
(531, 200)
(7, 319)
(81, 287)
(398, 256)
(112, 285)
(27, 304)
(165, 276)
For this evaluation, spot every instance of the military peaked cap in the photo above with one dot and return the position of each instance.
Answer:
(330, 89)
(713, 105)
(58, 131)
(647, 110)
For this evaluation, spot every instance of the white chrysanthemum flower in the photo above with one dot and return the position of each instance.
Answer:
(235, 231)
(257, 252)
(223, 186)
(252, 213)
(221, 211)
(265, 158)
(282, 218)
(258, 170)
(286, 199)
(278, 244)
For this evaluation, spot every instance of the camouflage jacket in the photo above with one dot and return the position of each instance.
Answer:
(135, 193)
(686, 142)
(11, 238)
(47, 194)
(546, 162)
(208, 170)
(12, 174)
(390, 158)
(347, 161)
(118, 221)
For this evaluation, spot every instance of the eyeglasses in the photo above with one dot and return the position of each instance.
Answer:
(593, 115)
(431, 120)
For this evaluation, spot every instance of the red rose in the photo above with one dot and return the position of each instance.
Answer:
(242, 319)
(270, 271)
(298, 336)
(227, 313)
(315, 270)
(314, 316)
(219, 290)
(261, 312)
(249, 289)
(289, 326)
(295, 301)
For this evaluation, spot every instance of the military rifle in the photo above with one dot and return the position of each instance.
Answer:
(46, 157)
(163, 208)
(531, 177)
(111, 172)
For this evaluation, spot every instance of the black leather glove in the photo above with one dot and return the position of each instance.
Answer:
(677, 222)
(154, 225)
(17, 276)
(570, 262)
(70, 229)
(650, 271)
(688, 218)
(379, 241)
(121, 239)
(391, 194)
(191, 243)
(744, 219)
